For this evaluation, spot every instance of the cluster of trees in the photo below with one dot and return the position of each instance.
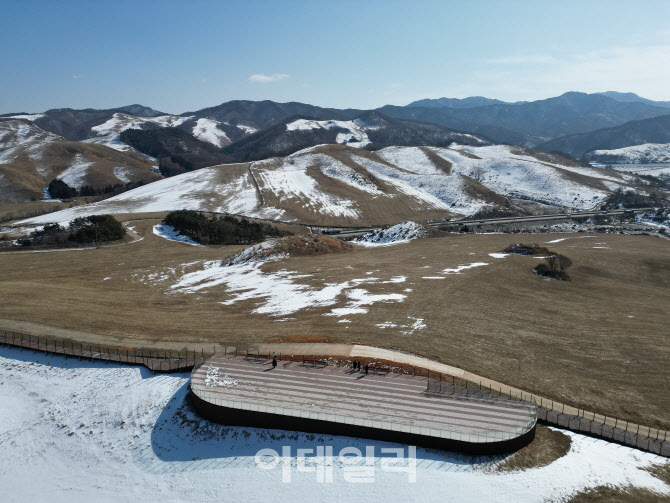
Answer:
(224, 230)
(58, 189)
(177, 151)
(83, 230)
(555, 266)
(630, 199)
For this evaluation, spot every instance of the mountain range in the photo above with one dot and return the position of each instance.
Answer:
(136, 143)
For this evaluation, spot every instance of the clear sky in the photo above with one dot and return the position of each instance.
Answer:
(181, 56)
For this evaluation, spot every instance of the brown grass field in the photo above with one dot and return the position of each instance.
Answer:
(600, 341)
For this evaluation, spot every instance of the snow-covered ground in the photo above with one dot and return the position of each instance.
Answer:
(18, 138)
(637, 154)
(171, 234)
(76, 430)
(278, 293)
(207, 130)
(108, 132)
(396, 234)
(75, 174)
(353, 132)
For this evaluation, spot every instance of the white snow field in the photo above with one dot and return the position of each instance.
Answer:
(340, 182)
(354, 133)
(75, 174)
(396, 234)
(18, 138)
(207, 130)
(78, 431)
(108, 132)
(277, 293)
(637, 154)
(171, 234)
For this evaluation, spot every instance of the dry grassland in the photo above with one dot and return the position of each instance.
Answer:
(600, 341)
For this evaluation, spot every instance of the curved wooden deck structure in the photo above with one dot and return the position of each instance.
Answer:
(336, 400)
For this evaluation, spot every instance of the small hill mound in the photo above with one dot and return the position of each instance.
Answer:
(401, 233)
(290, 246)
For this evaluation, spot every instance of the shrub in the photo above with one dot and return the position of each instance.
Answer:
(522, 249)
(555, 266)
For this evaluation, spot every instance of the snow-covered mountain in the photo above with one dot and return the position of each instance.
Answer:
(344, 185)
(637, 154)
(370, 130)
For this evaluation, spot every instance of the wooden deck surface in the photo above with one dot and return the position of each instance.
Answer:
(393, 401)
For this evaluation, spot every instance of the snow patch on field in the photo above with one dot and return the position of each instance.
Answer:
(283, 292)
(636, 154)
(105, 432)
(171, 234)
(400, 233)
(457, 270)
(207, 130)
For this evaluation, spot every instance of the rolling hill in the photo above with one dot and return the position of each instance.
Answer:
(31, 157)
(343, 185)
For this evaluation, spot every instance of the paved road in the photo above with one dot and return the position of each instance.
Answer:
(353, 232)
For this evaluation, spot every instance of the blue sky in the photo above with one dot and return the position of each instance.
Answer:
(180, 56)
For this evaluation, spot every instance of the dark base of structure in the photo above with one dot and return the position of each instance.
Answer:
(237, 417)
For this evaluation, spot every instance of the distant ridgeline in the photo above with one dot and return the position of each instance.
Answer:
(225, 230)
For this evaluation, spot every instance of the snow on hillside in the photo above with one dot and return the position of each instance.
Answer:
(401, 233)
(190, 191)
(79, 430)
(75, 174)
(638, 154)
(28, 117)
(355, 137)
(520, 176)
(333, 168)
(339, 182)
(18, 138)
(247, 129)
(108, 132)
(121, 173)
(290, 180)
(207, 130)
